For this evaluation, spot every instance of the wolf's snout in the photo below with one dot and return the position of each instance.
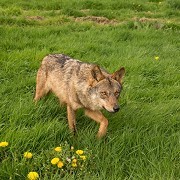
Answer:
(116, 108)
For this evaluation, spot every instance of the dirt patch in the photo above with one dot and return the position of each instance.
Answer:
(148, 22)
(97, 19)
(36, 18)
(144, 20)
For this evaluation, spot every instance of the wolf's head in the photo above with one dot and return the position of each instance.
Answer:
(106, 88)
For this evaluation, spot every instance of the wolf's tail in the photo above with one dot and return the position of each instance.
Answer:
(41, 83)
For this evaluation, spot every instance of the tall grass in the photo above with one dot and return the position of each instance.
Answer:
(143, 138)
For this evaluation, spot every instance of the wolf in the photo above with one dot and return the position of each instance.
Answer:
(80, 85)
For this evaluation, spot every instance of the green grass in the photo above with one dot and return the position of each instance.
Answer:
(143, 138)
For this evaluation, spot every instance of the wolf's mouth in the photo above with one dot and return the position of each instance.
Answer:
(107, 110)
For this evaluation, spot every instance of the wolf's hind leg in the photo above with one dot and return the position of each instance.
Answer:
(71, 118)
(41, 85)
(99, 118)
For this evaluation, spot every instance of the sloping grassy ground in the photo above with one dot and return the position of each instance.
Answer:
(143, 138)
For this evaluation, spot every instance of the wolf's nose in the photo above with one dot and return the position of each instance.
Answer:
(116, 108)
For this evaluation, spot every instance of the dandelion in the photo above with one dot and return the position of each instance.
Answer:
(33, 175)
(72, 148)
(28, 155)
(79, 152)
(60, 164)
(83, 157)
(74, 161)
(54, 161)
(156, 58)
(4, 144)
(74, 165)
(58, 149)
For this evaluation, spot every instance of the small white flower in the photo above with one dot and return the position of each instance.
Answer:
(68, 160)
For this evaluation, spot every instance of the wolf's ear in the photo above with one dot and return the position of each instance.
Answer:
(96, 73)
(118, 75)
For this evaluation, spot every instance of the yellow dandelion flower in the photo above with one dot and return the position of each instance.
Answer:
(28, 155)
(74, 165)
(4, 144)
(58, 149)
(83, 157)
(156, 58)
(74, 161)
(54, 161)
(60, 164)
(33, 175)
(72, 148)
(79, 152)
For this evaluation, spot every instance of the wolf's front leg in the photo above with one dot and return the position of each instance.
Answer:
(71, 118)
(98, 117)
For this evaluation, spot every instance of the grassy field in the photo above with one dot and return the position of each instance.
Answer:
(143, 139)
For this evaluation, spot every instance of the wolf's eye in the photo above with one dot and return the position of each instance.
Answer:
(103, 93)
(116, 93)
